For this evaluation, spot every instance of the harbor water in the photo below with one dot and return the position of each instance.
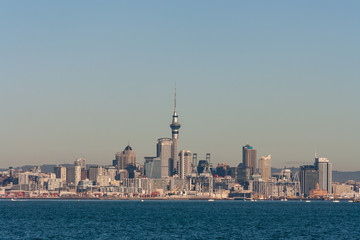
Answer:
(151, 219)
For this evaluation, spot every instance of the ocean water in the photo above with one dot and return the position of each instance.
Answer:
(89, 219)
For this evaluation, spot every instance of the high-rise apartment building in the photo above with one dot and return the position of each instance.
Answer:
(80, 162)
(73, 175)
(94, 172)
(60, 172)
(125, 158)
(324, 168)
(184, 163)
(249, 158)
(164, 152)
(265, 167)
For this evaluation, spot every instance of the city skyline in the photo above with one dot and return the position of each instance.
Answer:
(281, 77)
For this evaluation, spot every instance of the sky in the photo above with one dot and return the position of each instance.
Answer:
(85, 78)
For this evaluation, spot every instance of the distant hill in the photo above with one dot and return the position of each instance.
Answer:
(338, 176)
(344, 176)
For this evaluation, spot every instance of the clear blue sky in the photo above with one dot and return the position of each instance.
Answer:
(82, 78)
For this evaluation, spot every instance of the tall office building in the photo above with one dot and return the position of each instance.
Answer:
(94, 172)
(82, 163)
(60, 172)
(184, 164)
(164, 152)
(152, 167)
(324, 168)
(265, 167)
(308, 179)
(73, 175)
(125, 158)
(175, 126)
(249, 158)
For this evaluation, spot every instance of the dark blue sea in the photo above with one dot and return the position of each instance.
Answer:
(89, 219)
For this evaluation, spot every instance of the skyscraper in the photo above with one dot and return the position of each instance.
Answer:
(152, 167)
(164, 152)
(175, 126)
(184, 165)
(94, 172)
(125, 158)
(265, 167)
(308, 179)
(249, 158)
(73, 175)
(324, 168)
(60, 172)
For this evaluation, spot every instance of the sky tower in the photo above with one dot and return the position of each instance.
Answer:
(175, 126)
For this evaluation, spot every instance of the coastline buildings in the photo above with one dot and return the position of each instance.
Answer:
(324, 168)
(317, 175)
(171, 173)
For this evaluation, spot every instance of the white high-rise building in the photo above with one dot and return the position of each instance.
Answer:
(324, 168)
(164, 152)
(265, 167)
(184, 163)
(80, 162)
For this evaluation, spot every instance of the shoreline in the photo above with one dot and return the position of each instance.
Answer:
(163, 199)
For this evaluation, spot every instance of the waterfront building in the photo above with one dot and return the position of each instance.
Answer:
(53, 184)
(308, 179)
(60, 172)
(73, 175)
(125, 158)
(164, 152)
(265, 167)
(345, 190)
(184, 166)
(285, 184)
(249, 158)
(324, 168)
(317, 192)
(175, 126)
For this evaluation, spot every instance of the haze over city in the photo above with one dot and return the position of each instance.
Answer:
(84, 80)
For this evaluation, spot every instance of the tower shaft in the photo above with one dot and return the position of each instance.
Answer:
(175, 126)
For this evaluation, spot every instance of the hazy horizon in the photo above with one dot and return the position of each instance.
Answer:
(82, 79)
